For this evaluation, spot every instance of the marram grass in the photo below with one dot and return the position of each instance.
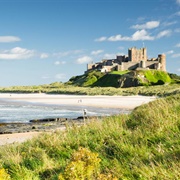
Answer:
(142, 145)
(59, 88)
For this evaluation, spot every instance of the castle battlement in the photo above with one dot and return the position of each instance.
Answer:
(136, 59)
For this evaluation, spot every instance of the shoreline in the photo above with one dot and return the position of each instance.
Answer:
(126, 102)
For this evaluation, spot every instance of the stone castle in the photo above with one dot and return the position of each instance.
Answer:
(136, 60)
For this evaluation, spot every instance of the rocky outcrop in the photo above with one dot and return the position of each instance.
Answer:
(43, 125)
(128, 80)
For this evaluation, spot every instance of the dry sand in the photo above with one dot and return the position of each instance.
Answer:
(129, 102)
(17, 137)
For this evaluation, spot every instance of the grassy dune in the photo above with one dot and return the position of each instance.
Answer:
(59, 88)
(142, 145)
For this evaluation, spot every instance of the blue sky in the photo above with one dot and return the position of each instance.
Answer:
(43, 41)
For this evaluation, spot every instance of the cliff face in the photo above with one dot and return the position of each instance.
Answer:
(128, 81)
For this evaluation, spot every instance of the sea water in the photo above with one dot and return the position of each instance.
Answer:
(24, 112)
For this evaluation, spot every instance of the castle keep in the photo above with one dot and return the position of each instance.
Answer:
(136, 60)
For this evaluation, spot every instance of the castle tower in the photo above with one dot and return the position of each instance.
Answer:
(136, 55)
(162, 61)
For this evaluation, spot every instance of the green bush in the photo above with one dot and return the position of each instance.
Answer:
(4, 175)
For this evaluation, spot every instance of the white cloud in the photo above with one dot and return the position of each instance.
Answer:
(60, 76)
(44, 56)
(176, 55)
(101, 39)
(169, 52)
(138, 35)
(178, 70)
(60, 62)
(178, 45)
(141, 35)
(164, 33)
(119, 37)
(17, 53)
(178, 2)
(97, 52)
(147, 25)
(8, 39)
(84, 59)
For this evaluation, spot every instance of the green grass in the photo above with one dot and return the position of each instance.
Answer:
(86, 79)
(157, 77)
(158, 90)
(108, 80)
(119, 72)
(142, 145)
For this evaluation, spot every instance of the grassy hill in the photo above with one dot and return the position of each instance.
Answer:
(121, 78)
(142, 145)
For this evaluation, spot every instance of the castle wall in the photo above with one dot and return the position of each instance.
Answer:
(129, 66)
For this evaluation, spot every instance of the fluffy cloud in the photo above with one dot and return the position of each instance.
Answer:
(84, 59)
(119, 37)
(148, 25)
(138, 35)
(97, 52)
(141, 35)
(8, 39)
(17, 53)
(164, 33)
(44, 56)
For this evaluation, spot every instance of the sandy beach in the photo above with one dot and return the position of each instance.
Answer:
(127, 102)
(17, 137)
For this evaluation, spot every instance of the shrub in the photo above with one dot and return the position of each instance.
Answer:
(84, 165)
(3, 174)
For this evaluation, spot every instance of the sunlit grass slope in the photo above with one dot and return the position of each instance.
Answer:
(142, 145)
